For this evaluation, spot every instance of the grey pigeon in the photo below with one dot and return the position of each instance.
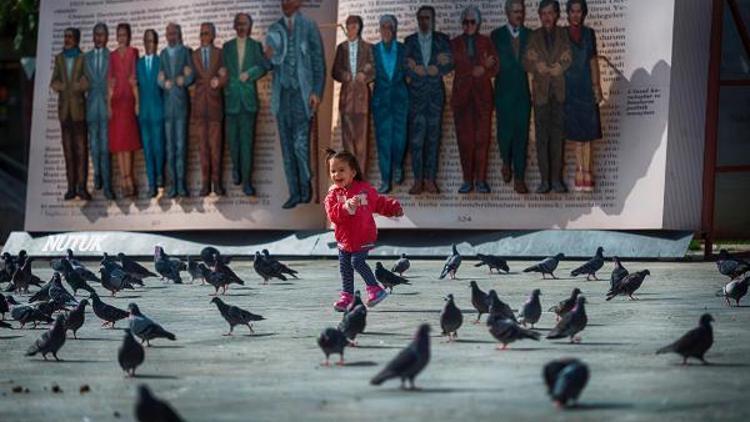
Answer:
(531, 310)
(167, 268)
(145, 328)
(107, 313)
(730, 265)
(387, 278)
(59, 295)
(265, 270)
(572, 323)
(735, 290)
(451, 318)
(356, 302)
(566, 305)
(498, 308)
(354, 323)
(151, 409)
(133, 268)
(194, 270)
(451, 264)
(591, 266)
(401, 265)
(74, 279)
(76, 317)
(478, 300)
(51, 341)
(235, 315)
(26, 314)
(277, 265)
(618, 272)
(43, 293)
(114, 279)
(507, 331)
(628, 285)
(332, 341)
(565, 380)
(130, 355)
(492, 262)
(547, 266)
(409, 362)
(695, 343)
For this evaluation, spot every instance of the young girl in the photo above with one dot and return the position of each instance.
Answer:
(350, 204)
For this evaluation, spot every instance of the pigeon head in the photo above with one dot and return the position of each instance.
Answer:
(158, 251)
(449, 298)
(599, 251)
(69, 253)
(120, 256)
(144, 394)
(216, 300)
(359, 309)
(11, 300)
(536, 293)
(83, 303)
(6, 256)
(616, 259)
(357, 293)
(56, 278)
(723, 254)
(403, 255)
(94, 296)
(257, 254)
(378, 264)
(646, 272)
(473, 284)
(706, 320)
(60, 319)
(265, 252)
(560, 256)
(133, 309)
(455, 251)
(576, 291)
(423, 332)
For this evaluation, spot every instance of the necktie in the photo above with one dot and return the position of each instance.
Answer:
(148, 64)
(98, 60)
(205, 58)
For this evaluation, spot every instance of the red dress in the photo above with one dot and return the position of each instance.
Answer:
(123, 126)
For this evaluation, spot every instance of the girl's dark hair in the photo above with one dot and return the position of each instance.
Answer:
(345, 156)
(584, 6)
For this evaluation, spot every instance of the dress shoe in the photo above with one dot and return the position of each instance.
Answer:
(83, 194)
(543, 187)
(398, 176)
(466, 187)
(559, 187)
(183, 192)
(152, 192)
(70, 194)
(306, 195)
(384, 188)
(291, 202)
(109, 194)
(159, 182)
(520, 186)
(430, 186)
(172, 192)
(417, 188)
(205, 191)
(219, 190)
(483, 187)
(97, 183)
(248, 189)
(236, 180)
(507, 175)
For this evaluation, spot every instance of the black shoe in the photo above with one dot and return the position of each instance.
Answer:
(172, 192)
(152, 192)
(183, 192)
(236, 179)
(306, 196)
(483, 187)
(398, 176)
(248, 189)
(97, 183)
(70, 194)
(219, 190)
(205, 191)
(159, 182)
(291, 203)
(543, 187)
(466, 187)
(559, 187)
(83, 194)
(109, 194)
(384, 188)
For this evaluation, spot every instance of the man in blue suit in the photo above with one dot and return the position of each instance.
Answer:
(174, 77)
(428, 59)
(151, 112)
(296, 52)
(96, 66)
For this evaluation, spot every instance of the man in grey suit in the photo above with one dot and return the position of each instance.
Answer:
(174, 78)
(96, 67)
(294, 46)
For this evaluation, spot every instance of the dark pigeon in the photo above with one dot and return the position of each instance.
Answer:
(547, 266)
(217, 280)
(51, 341)
(493, 262)
(209, 253)
(478, 300)
(332, 341)
(43, 293)
(133, 268)
(354, 323)
(565, 380)
(628, 285)
(235, 315)
(277, 265)
(4, 306)
(387, 278)
(151, 409)
(145, 328)
(695, 343)
(107, 313)
(4, 324)
(498, 308)
(167, 268)
(451, 264)
(265, 270)
(83, 272)
(230, 275)
(731, 266)
(401, 265)
(572, 323)
(591, 266)
(76, 317)
(531, 310)
(507, 331)
(451, 318)
(562, 308)
(618, 273)
(356, 302)
(114, 279)
(734, 290)
(7, 267)
(130, 355)
(409, 362)
(25, 314)
(59, 295)
(74, 279)
(194, 270)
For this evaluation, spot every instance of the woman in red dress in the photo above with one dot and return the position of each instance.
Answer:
(124, 137)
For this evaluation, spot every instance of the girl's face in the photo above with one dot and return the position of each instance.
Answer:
(122, 37)
(342, 175)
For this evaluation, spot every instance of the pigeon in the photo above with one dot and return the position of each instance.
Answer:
(74, 278)
(25, 314)
(401, 265)
(356, 302)
(547, 266)
(332, 341)
(694, 343)
(618, 273)
(4, 324)
(7, 267)
(221, 267)
(451, 264)
(107, 313)
(498, 308)
(628, 285)
(145, 328)
(106, 259)
(151, 409)
(114, 279)
(130, 355)
(565, 379)
(43, 293)
(59, 295)
(265, 270)
(278, 265)
(194, 270)
(387, 278)
(353, 323)
(572, 323)
(451, 319)
(493, 262)
(217, 280)
(76, 317)
(235, 315)
(133, 268)
(208, 256)
(735, 290)
(51, 341)
(4, 306)
(409, 362)
(591, 266)
(565, 305)
(731, 266)
(166, 267)
(80, 269)
(531, 310)
(478, 300)
(506, 331)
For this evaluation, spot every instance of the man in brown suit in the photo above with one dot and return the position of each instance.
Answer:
(547, 57)
(354, 67)
(69, 82)
(206, 112)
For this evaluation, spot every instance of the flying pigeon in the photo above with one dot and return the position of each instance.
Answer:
(618, 273)
(332, 341)
(547, 266)
(451, 264)
(130, 355)
(493, 262)
(409, 362)
(531, 310)
(51, 341)
(498, 308)
(507, 331)
(166, 267)
(133, 268)
(591, 266)
(76, 317)
(354, 323)
(277, 265)
(731, 266)
(628, 285)
(401, 265)
(565, 379)
(235, 315)
(695, 343)
(572, 323)
(451, 319)
(478, 300)
(145, 328)
(107, 313)
(735, 290)
(387, 278)
(151, 409)
(566, 305)
(265, 270)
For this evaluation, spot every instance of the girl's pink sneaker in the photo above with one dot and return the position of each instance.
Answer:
(375, 295)
(344, 301)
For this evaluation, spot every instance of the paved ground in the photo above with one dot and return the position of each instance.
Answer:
(275, 374)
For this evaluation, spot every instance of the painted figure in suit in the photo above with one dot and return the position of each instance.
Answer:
(244, 64)
(475, 63)
(428, 59)
(295, 49)
(390, 104)
(512, 97)
(69, 81)
(547, 57)
(354, 68)
(151, 112)
(206, 111)
(175, 76)
(97, 118)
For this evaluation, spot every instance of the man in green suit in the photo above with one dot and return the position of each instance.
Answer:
(244, 63)
(512, 99)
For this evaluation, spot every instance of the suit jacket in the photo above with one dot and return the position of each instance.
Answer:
(151, 103)
(176, 97)
(428, 88)
(311, 62)
(205, 101)
(466, 87)
(242, 96)
(559, 53)
(511, 82)
(354, 96)
(96, 97)
(71, 101)
(390, 94)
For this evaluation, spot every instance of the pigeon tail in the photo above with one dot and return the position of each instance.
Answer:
(382, 377)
